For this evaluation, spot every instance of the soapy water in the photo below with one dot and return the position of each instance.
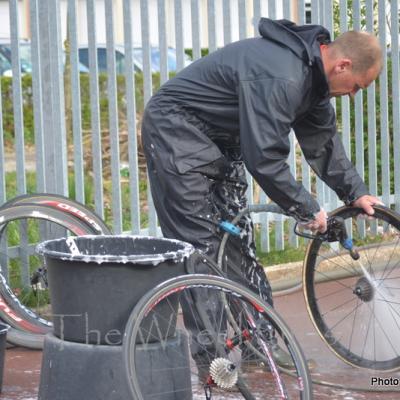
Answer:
(359, 301)
(116, 249)
(382, 326)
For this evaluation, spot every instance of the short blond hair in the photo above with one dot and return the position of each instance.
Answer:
(362, 48)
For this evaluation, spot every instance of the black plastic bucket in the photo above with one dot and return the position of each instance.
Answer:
(3, 339)
(95, 281)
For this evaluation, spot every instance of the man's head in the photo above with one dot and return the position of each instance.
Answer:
(351, 62)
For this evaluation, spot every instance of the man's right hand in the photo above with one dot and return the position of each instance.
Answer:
(319, 224)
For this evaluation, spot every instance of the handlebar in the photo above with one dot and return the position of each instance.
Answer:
(336, 232)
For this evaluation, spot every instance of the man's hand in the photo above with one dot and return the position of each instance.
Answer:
(367, 202)
(319, 224)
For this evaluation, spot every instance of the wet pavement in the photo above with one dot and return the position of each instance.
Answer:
(22, 366)
(21, 374)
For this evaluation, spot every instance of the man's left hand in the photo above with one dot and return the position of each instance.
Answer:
(367, 202)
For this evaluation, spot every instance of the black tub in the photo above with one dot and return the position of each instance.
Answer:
(95, 281)
(3, 339)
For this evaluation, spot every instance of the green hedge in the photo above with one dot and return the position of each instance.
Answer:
(7, 103)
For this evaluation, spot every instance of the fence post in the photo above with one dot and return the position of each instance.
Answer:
(53, 98)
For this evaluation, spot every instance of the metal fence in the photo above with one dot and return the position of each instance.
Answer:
(82, 129)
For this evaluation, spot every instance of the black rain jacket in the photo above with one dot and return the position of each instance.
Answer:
(249, 94)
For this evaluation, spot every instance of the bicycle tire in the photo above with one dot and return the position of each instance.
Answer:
(137, 329)
(65, 204)
(353, 304)
(33, 341)
(12, 310)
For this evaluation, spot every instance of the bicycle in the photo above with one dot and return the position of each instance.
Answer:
(326, 262)
(234, 342)
(351, 276)
(25, 220)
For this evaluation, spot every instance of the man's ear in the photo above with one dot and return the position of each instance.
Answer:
(343, 65)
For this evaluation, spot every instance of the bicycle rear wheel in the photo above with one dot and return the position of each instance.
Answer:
(24, 302)
(355, 305)
(157, 345)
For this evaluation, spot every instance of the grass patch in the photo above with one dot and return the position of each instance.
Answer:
(275, 256)
(281, 256)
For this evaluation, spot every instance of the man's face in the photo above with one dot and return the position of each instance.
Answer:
(346, 82)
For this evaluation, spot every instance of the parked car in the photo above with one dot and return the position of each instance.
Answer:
(155, 58)
(137, 58)
(25, 59)
(5, 58)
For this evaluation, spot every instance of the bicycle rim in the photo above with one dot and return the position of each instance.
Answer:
(65, 204)
(355, 305)
(157, 345)
(23, 304)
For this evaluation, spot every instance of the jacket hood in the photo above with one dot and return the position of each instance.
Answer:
(302, 40)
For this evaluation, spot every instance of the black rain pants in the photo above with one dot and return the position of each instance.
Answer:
(190, 207)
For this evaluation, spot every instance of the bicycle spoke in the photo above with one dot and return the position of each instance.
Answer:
(353, 325)
(336, 263)
(336, 282)
(388, 263)
(333, 293)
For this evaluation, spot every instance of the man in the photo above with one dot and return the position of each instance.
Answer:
(235, 108)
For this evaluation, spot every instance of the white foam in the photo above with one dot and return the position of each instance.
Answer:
(183, 250)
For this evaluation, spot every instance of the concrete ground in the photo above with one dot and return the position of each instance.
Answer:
(22, 367)
(21, 374)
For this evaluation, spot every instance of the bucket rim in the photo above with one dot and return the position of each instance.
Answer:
(178, 255)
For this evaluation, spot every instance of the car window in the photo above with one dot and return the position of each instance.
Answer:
(171, 59)
(102, 59)
(155, 59)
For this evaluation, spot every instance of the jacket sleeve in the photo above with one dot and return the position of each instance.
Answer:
(267, 110)
(324, 151)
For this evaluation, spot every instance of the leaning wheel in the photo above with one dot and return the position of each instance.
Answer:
(355, 304)
(24, 296)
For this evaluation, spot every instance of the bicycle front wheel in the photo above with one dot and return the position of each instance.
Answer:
(157, 345)
(355, 304)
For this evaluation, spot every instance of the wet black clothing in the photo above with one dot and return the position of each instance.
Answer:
(235, 108)
(247, 96)
(189, 207)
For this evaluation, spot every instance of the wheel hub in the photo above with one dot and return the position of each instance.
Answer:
(364, 290)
